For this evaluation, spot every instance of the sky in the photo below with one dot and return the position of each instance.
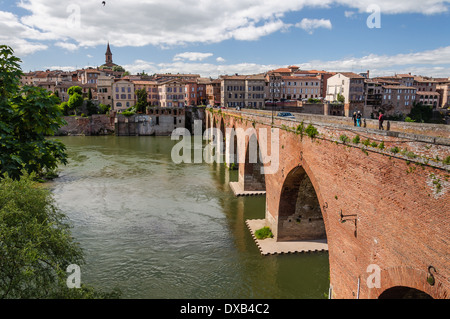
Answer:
(212, 38)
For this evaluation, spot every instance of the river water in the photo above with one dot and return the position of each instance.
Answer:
(156, 229)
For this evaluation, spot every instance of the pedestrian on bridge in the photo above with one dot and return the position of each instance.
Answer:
(380, 121)
(358, 119)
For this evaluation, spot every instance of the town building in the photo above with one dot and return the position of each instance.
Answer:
(151, 87)
(213, 89)
(300, 88)
(104, 89)
(347, 84)
(123, 95)
(243, 91)
(397, 100)
(172, 93)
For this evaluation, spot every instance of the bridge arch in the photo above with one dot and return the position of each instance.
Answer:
(407, 282)
(254, 179)
(402, 292)
(299, 214)
(232, 147)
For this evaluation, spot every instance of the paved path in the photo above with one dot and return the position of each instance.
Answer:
(237, 189)
(269, 246)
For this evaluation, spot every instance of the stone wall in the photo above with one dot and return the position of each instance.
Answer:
(93, 125)
(161, 124)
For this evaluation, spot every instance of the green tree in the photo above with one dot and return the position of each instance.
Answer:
(340, 98)
(91, 108)
(104, 109)
(27, 116)
(142, 103)
(90, 94)
(75, 98)
(118, 68)
(36, 245)
(421, 113)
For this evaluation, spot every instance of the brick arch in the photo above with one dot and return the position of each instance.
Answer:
(232, 146)
(300, 214)
(254, 180)
(408, 277)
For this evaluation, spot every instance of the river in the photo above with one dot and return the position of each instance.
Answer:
(156, 229)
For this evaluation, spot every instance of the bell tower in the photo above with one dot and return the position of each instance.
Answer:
(108, 54)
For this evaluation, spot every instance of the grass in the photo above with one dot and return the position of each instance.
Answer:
(263, 233)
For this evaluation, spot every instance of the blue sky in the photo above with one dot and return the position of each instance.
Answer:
(245, 36)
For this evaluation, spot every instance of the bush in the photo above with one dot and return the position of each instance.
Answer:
(366, 142)
(446, 161)
(104, 109)
(263, 233)
(344, 138)
(381, 146)
(356, 139)
(311, 131)
(128, 113)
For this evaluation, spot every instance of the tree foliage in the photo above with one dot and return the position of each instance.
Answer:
(421, 113)
(27, 116)
(36, 245)
(75, 98)
(142, 103)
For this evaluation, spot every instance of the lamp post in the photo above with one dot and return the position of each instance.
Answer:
(273, 94)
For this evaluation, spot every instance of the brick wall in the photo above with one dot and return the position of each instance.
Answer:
(402, 216)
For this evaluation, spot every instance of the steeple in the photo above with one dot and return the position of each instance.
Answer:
(108, 55)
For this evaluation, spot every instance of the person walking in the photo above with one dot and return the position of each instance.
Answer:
(358, 119)
(354, 118)
(380, 121)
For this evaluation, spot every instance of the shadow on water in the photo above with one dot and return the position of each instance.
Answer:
(157, 229)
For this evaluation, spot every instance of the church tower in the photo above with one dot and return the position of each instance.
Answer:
(108, 54)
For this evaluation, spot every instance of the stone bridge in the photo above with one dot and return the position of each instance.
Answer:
(380, 198)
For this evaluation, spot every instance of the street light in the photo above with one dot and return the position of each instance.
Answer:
(273, 94)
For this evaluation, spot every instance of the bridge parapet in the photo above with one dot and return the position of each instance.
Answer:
(423, 144)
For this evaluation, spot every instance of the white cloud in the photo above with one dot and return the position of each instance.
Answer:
(309, 25)
(434, 63)
(431, 62)
(179, 22)
(67, 46)
(18, 36)
(192, 56)
(220, 59)
(349, 14)
(428, 62)
(204, 69)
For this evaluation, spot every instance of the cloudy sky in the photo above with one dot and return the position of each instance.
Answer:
(211, 37)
